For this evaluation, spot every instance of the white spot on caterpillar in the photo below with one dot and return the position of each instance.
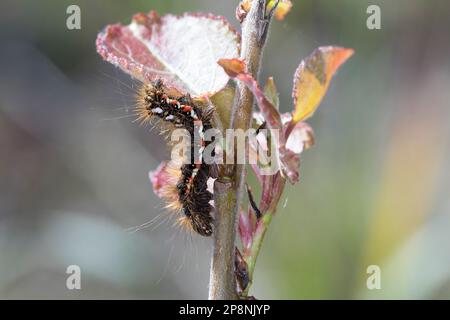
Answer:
(210, 184)
(194, 115)
(157, 110)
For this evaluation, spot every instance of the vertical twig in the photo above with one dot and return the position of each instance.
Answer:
(222, 284)
(228, 189)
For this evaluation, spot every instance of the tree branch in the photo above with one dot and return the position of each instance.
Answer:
(228, 189)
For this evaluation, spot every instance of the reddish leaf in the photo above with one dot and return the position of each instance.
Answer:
(313, 77)
(289, 165)
(236, 68)
(233, 67)
(301, 138)
(245, 228)
(180, 50)
(160, 178)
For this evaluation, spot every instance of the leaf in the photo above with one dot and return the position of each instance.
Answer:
(311, 81)
(181, 50)
(272, 189)
(313, 77)
(233, 67)
(162, 177)
(236, 68)
(283, 8)
(301, 138)
(245, 227)
(223, 102)
(271, 92)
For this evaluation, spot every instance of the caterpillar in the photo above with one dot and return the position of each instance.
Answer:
(190, 193)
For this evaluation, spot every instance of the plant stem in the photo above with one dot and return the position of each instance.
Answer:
(252, 254)
(222, 283)
(228, 189)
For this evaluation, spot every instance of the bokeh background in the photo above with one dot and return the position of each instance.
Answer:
(374, 190)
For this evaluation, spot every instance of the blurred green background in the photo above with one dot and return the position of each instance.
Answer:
(374, 189)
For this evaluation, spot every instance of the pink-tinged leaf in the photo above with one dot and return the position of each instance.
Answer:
(291, 162)
(181, 50)
(258, 120)
(313, 77)
(160, 178)
(301, 138)
(236, 68)
(259, 150)
(272, 190)
(245, 228)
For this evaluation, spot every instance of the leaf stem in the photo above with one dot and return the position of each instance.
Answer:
(252, 254)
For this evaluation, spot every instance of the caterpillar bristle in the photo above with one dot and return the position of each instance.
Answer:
(169, 109)
(184, 223)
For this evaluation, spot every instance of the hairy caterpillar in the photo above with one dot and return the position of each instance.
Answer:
(189, 194)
